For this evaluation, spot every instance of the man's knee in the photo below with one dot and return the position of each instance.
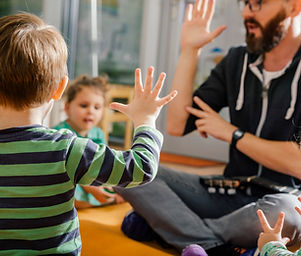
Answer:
(273, 204)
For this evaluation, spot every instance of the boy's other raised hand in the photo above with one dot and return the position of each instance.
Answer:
(271, 234)
(146, 105)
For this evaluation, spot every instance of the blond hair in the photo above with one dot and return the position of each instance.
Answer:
(33, 61)
(99, 83)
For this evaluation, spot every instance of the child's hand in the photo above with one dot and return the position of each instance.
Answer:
(146, 105)
(297, 208)
(100, 194)
(110, 193)
(270, 234)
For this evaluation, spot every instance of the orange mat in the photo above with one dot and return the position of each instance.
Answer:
(101, 234)
(186, 160)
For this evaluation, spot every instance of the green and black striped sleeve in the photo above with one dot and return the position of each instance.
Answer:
(92, 164)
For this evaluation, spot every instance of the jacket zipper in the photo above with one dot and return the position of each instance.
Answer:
(264, 110)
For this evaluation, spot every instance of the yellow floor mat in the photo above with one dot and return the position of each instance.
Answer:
(101, 234)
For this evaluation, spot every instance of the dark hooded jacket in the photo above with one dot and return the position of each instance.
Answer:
(270, 111)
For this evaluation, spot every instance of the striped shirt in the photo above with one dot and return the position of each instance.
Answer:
(276, 248)
(39, 168)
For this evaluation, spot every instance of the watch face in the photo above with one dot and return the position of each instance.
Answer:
(238, 133)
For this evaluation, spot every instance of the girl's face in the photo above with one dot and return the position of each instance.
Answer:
(85, 110)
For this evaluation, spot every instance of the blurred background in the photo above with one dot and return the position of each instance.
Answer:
(117, 36)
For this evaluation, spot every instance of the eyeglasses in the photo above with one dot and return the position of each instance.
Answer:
(254, 5)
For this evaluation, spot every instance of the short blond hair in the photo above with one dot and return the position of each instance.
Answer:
(33, 61)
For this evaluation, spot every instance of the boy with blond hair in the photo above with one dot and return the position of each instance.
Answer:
(40, 167)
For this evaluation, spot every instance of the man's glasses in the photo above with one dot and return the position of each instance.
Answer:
(254, 5)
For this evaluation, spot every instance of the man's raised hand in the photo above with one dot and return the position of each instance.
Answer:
(196, 28)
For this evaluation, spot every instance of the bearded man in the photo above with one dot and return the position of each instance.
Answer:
(260, 83)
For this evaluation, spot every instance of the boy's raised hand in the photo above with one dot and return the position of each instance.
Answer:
(270, 234)
(146, 105)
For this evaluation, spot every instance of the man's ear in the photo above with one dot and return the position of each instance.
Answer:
(296, 8)
(59, 91)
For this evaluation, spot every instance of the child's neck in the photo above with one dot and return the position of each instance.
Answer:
(14, 118)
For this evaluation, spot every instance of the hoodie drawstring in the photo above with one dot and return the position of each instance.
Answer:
(294, 90)
(240, 98)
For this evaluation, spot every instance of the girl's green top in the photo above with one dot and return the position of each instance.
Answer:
(97, 136)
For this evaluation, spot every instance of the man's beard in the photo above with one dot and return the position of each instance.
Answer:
(271, 34)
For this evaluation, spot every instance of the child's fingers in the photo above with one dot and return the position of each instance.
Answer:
(110, 200)
(159, 84)
(299, 198)
(298, 210)
(107, 194)
(138, 81)
(263, 221)
(279, 223)
(167, 99)
(149, 80)
(119, 106)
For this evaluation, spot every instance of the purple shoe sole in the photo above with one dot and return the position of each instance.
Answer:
(194, 250)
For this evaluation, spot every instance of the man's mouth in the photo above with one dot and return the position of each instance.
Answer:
(251, 27)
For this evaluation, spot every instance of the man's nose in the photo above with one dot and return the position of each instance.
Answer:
(246, 12)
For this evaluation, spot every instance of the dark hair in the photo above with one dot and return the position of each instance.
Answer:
(33, 61)
(99, 83)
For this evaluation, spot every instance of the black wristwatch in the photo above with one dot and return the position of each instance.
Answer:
(236, 136)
